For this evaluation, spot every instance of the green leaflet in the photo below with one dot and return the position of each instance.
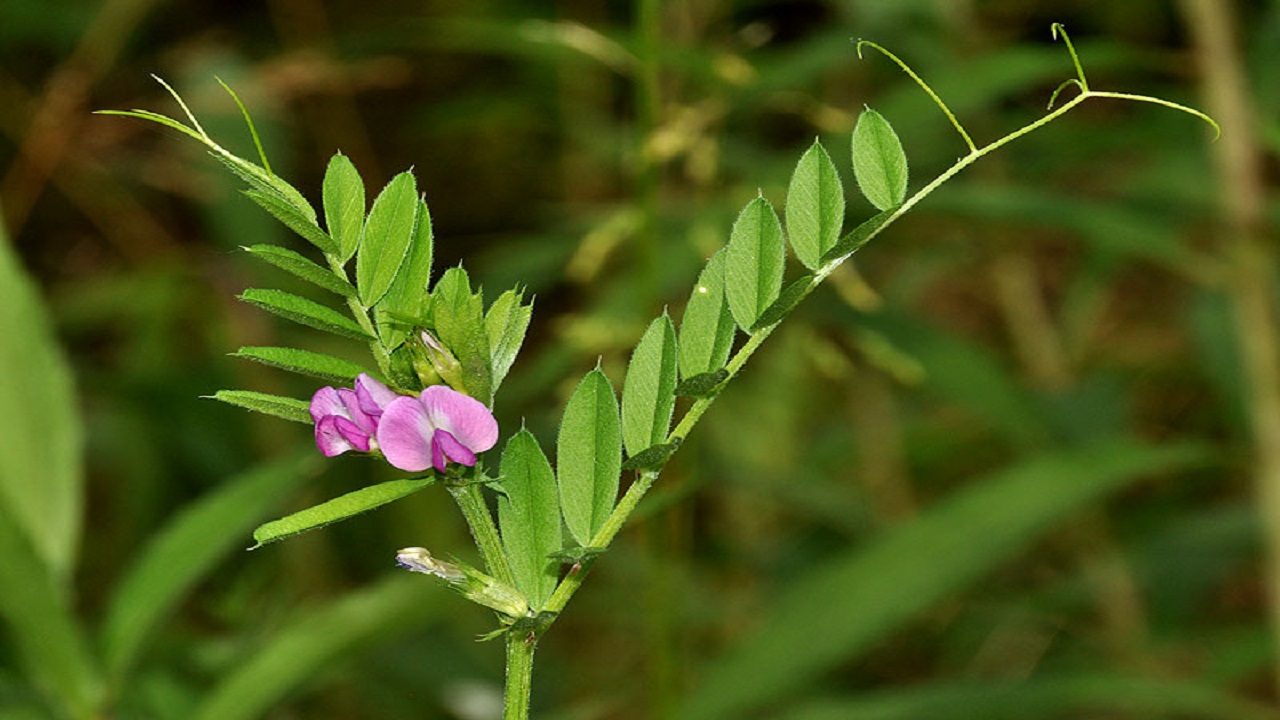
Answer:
(858, 236)
(702, 384)
(815, 206)
(293, 218)
(529, 515)
(337, 509)
(343, 194)
(303, 362)
(299, 266)
(281, 407)
(652, 458)
(648, 393)
(187, 548)
(457, 315)
(786, 302)
(304, 311)
(707, 328)
(589, 456)
(407, 296)
(878, 161)
(267, 184)
(506, 324)
(754, 261)
(386, 238)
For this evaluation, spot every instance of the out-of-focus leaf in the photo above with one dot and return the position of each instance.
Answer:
(878, 161)
(343, 195)
(385, 241)
(707, 328)
(186, 549)
(304, 312)
(649, 390)
(966, 374)
(301, 267)
(303, 362)
(815, 206)
(47, 639)
(754, 261)
(841, 607)
(407, 297)
(40, 464)
(529, 515)
(286, 408)
(338, 509)
(1042, 697)
(317, 639)
(589, 456)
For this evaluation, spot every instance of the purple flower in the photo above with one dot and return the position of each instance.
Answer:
(348, 419)
(440, 426)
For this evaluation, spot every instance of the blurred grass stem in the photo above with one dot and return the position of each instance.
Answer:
(1251, 260)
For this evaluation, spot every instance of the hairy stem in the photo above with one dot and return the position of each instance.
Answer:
(483, 530)
(519, 683)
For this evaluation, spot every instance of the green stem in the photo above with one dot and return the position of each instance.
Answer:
(480, 521)
(519, 683)
(361, 316)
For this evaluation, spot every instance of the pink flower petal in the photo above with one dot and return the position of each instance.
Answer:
(329, 439)
(448, 445)
(403, 434)
(465, 418)
(372, 396)
(352, 433)
(326, 401)
(351, 411)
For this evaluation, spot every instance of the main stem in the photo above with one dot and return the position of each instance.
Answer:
(519, 684)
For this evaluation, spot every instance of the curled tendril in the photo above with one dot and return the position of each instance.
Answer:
(1058, 29)
(1065, 83)
(1060, 32)
(923, 85)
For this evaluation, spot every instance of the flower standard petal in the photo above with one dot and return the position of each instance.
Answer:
(465, 418)
(404, 433)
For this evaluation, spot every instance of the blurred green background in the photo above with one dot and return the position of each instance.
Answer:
(1013, 461)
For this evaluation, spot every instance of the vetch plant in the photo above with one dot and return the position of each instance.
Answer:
(440, 353)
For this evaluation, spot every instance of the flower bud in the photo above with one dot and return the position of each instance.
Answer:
(441, 363)
(466, 580)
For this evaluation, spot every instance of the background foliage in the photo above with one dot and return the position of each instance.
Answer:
(1002, 467)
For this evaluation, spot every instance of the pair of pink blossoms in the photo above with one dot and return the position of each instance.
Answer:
(414, 432)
